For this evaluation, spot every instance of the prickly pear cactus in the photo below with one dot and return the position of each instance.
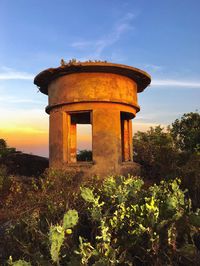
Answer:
(57, 233)
(18, 263)
(56, 236)
(194, 219)
(87, 194)
(70, 219)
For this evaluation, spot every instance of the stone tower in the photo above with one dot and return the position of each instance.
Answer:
(98, 93)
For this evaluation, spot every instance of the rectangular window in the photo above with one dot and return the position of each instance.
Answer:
(126, 137)
(80, 136)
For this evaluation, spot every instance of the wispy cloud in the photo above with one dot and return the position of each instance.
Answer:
(7, 73)
(99, 45)
(175, 83)
(11, 99)
(153, 67)
(81, 44)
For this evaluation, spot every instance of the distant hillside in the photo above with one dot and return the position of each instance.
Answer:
(19, 163)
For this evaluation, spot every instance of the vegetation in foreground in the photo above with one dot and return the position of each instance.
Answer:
(59, 219)
(175, 152)
(117, 222)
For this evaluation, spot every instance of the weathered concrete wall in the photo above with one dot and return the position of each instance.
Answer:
(84, 87)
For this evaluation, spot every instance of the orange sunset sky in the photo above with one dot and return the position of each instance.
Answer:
(30, 132)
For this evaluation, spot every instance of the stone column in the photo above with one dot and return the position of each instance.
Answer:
(57, 138)
(106, 140)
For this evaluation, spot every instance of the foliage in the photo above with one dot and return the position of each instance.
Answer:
(18, 263)
(3, 144)
(135, 225)
(165, 154)
(57, 233)
(30, 206)
(190, 173)
(121, 222)
(186, 132)
(70, 219)
(186, 137)
(155, 151)
(84, 155)
(4, 149)
(194, 218)
(4, 179)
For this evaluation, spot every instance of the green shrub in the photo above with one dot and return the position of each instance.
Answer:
(58, 232)
(134, 225)
(4, 149)
(18, 263)
(166, 154)
(121, 222)
(84, 155)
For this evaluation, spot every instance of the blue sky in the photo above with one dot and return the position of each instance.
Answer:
(160, 37)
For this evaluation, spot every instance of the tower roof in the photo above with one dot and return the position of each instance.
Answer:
(44, 78)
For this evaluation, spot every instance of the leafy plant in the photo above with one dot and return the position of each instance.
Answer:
(4, 178)
(84, 155)
(168, 153)
(156, 153)
(135, 225)
(18, 263)
(186, 132)
(4, 149)
(57, 233)
(119, 221)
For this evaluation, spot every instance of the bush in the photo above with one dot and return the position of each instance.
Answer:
(4, 179)
(4, 149)
(156, 153)
(166, 154)
(186, 132)
(84, 155)
(116, 222)
(30, 206)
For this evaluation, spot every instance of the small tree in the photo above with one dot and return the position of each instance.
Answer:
(186, 132)
(4, 149)
(84, 155)
(186, 136)
(3, 144)
(172, 153)
(155, 151)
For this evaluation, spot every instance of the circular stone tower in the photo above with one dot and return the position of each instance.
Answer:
(98, 93)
